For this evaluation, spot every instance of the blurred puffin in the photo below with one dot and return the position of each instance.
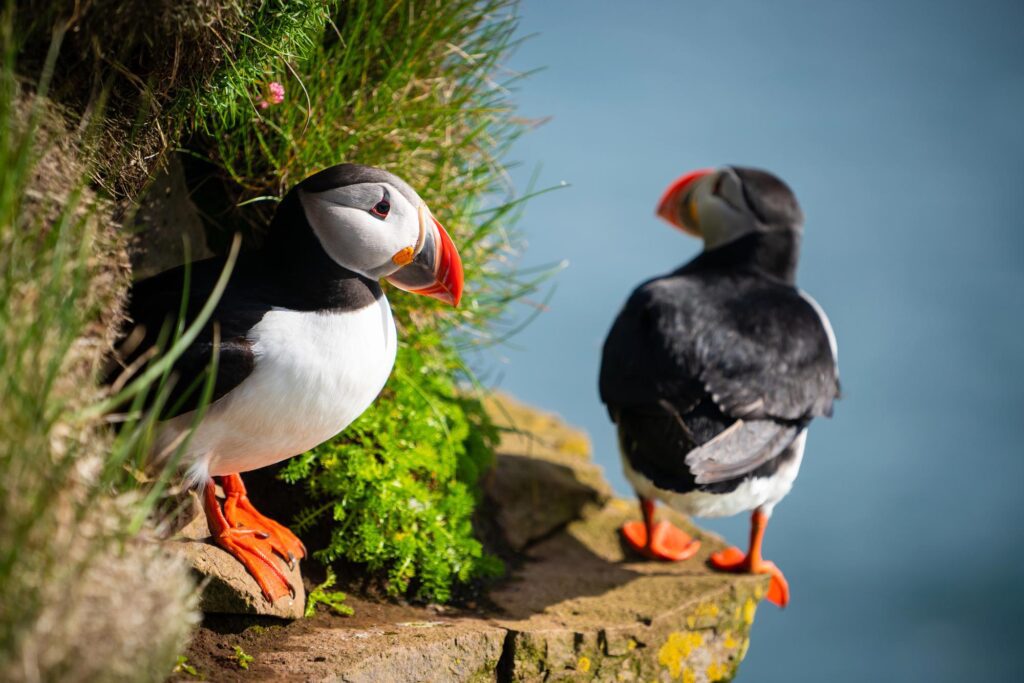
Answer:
(307, 340)
(713, 372)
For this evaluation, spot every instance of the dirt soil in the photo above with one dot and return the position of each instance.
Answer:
(273, 643)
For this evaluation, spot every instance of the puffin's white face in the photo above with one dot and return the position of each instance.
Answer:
(709, 205)
(369, 228)
(377, 230)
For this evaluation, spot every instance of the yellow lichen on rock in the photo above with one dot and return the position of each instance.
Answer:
(707, 609)
(689, 676)
(676, 649)
(749, 609)
(704, 610)
(716, 671)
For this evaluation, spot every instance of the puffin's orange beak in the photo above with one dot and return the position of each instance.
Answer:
(671, 208)
(436, 269)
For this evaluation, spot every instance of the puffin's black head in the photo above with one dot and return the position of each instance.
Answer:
(371, 222)
(722, 205)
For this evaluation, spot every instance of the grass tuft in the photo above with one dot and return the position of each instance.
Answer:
(76, 557)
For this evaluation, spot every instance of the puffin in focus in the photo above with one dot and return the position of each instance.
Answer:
(306, 341)
(713, 372)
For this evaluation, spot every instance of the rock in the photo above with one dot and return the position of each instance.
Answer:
(530, 432)
(438, 651)
(166, 216)
(583, 607)
(227, 586)
(579, 607)
(543, 477)
(381, 642)
(535, 497)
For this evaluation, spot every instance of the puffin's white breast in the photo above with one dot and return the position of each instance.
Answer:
(315, 373)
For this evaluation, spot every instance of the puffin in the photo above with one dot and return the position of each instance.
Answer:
(713, 372)
(305, 342)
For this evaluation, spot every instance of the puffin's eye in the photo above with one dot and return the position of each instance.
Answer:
(730, 191)
(717, 189)
(381, 209)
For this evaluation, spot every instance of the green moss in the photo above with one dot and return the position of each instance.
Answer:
(401, 498)
(182, 666)
(321, 595)
(241, 658)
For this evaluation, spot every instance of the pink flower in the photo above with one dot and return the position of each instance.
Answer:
(273, 94)
(276, 92)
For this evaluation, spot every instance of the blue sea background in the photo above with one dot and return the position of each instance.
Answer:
(900, 125)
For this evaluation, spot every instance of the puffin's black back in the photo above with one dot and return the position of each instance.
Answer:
(747, 338)
(725, 337)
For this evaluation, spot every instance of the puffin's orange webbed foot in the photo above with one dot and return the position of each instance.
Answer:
(666, 541)
(252, 550)
(733, 560)
(240, 514)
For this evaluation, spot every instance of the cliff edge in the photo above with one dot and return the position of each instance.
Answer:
(577, 605)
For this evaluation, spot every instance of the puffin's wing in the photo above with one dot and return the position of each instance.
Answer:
(769, 354)
(741, 448)
(646, 362)
(156, 303)
(235, 362)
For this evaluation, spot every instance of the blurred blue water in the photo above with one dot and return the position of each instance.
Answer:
(901, 128)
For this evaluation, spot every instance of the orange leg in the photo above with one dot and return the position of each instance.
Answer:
(661, 541)
(242, 515)
(733, 560)
(251, 547)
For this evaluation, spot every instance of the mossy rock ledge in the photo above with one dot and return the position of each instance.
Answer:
(578, 607)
